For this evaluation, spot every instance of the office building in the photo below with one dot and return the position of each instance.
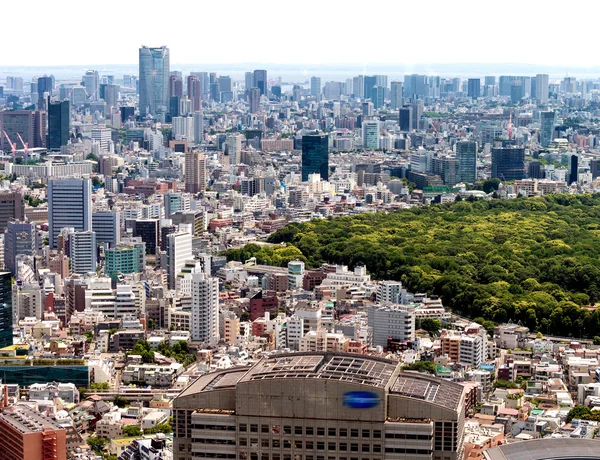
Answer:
(390, 292)
(248, 81)
(69, 206)
(417, 113)
(547, 127)
(11, 207)
(542, 86)
(27, 434)
(58, 124)
(195, 172)
(573, 176)
(508, 163)
(107, 226)
(370, 134)
(82, 247)
(125, 259)
(175, 202)
(30, 124)
(254, 100)
(103, 137)
(154, 80)
(6, 312)
(234, 148)
(466, 153)
(396, 95)
(90, 82)
(205, 308)
(148, 231)
(179, 250)
(320, 405)
(194, 91)
(391, 321)
(416, 86)
(20, 239)
(377, 96)
(405, 118)
(260, 82)
(198, 127)
(315, 156)
(474, 88)
(175, 86)
(315, 87)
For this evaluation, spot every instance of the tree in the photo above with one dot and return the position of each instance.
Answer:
(132, 430)
(91, 157)
(596, 340)
(491, 185)
(96, 444)
(151, 324)
(89, 336)
(432, 326)
(578, 412)
(421, 366)
(96, 182)
(119, 401)
(505, 384)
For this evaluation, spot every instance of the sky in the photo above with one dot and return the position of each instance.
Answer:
(325, 32)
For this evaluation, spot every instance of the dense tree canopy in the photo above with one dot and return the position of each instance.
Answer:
(533, 260)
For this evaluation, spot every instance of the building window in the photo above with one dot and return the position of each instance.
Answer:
(366, 434)
(343, 432)
(253, 428)
(243, 427)
(298, 430)
(354, 433)
(310, 430)
(320, 431)
(320, 445)
(331, 432)
(264, 428)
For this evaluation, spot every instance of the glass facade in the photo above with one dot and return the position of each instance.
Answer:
(466, 153)
(5, 310)
(28, 375)
(58, 124)
(154, 80)
(315, 156)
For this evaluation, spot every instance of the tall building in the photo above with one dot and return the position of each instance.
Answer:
(474, 88)
(107, 225)
(11, 207)
(198, 127)
(82, 247)
(6, 312)
(205, 308)
(69, 206)
(342, 406)
(20, 239)
(260, 82)
(542, 85)
(315, 156)
(194, 91)
(405, 118)
(315, 87)
(90, 82)
(148, 231)
(28, 434)
(390, 321)
(377, 96)
(249, 81)
(573, 169)
(195, 172)
(175, 86)
(234, 148)
(179, 250)
(58, 124)
(466, 153)
(154, 80)
(417, 108)
(396, 95)
(30, 124)
(370, 134)
(508, 163)
(175, 202)
(254, 99)
(547, 127)
(103, 136)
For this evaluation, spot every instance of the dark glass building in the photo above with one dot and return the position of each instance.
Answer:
(58, 124)
(474, 88)
(315, 156)
(508, 163)
(466, 153)
(6, 319)
(260, 81)
(148, 230)
(406, 119)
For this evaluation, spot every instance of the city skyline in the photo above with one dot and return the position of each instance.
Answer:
(474, 37)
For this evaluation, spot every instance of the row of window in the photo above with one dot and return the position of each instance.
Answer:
(197, 426)
(227, 442)
(246, 456)
(310, 445)
(401, 450)
(424, 437)
(310, 431)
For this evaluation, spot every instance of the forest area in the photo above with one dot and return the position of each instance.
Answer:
(534, 260)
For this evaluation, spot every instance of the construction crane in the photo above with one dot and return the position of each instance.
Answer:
(13, 147)
(25, 147)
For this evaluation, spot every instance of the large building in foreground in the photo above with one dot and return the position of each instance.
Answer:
(313, 406)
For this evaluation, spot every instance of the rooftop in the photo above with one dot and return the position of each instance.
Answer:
(553, 448)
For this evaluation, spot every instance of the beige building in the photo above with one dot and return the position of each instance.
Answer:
(316, 406)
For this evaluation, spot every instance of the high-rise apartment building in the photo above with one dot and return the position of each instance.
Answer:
(179, 250)
(260, 82)
(466, 153)
(547, 119)
(175, 86)
(194, 91)
(11, 207)
(474, 88)
(508, 163)
(396, 94)
(377, 96)
(249, 81)
(69, 206)
(391, 321)
(195, 172)
(315, 87)
(542, 88)
(82, 248)
(58, 124)
(198, 127)
(234, 148)
(320, 406)
(20, 239)
(315, 156)
(205, 308)
(254, 99)
(154, 80)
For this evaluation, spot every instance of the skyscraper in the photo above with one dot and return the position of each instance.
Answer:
(508, 163)
(154, 80)
(542, 88)
(315, 156)
(369, 82)
(547, 127)
(473, 88)
(260, 81)
(396, 95)
(194, 91)
(6, 314)
(249, 80)
(377, 96)
(254, 99)
(82, 246)
(69, 206)
(58, 124)
(205, 308)
(30, 124)
(195, 172)
(11, 207)
(107, 226)
(20, 239)
(179, 250)
(370, 134)
(198, 127)
(466, 153)
(573, 169)
(405, 115)
(315, 87)
(90, 81)
(234, 148)
(175, 86)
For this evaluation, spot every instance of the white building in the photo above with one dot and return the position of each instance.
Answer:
(370, 134)
(179, 250)
(390, 292)
(234, 146)
(343, 277)
(69, 206)
(83, 251)
(392, 321)
(205, 308)
(103, 137)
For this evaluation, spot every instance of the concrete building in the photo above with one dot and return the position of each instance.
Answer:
(179, 250)
(391, 321)
(20, 239)
(390, 292)
(82, 246)
(320, 405)
(11, 207)
(27, 434)
(195, 172)
(205, 308)
(107, 227)
(69, 206)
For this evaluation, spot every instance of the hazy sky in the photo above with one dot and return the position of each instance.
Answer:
(69, 32)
